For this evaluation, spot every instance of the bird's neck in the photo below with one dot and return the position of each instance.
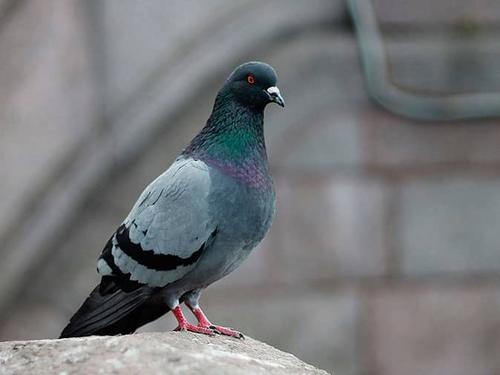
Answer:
(233, 141)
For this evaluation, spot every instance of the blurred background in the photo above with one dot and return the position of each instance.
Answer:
(384, 257)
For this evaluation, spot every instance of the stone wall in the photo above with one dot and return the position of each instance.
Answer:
(384, 257)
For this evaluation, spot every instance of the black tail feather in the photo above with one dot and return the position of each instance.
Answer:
(110, 310)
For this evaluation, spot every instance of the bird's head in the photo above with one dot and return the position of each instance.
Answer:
(253, 84)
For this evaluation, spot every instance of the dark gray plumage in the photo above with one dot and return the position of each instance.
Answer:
(195, 223)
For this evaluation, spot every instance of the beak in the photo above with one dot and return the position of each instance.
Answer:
(275, 96)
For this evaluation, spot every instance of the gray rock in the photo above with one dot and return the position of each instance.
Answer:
(150, 353)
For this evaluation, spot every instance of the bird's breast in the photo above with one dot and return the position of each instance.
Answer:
(244, 212)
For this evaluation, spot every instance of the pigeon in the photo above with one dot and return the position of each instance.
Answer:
(195, 223)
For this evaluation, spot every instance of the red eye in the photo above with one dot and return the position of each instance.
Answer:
(250, 79)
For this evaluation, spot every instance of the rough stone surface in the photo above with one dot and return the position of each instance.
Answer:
(173, 353)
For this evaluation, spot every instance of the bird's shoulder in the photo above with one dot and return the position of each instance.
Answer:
(185, 177)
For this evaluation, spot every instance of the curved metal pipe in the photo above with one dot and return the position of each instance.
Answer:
(402, 102)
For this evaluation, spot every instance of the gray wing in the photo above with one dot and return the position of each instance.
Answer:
(167, 229)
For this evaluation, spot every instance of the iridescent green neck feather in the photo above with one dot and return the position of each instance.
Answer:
(233, 141)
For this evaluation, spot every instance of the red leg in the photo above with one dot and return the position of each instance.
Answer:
(205, 323)
(184, 325)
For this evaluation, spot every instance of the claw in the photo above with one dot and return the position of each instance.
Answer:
(214, 330)
(227, 332)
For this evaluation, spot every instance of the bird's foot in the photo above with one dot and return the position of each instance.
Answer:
(226, 331)
(205, 323)
(197, 329)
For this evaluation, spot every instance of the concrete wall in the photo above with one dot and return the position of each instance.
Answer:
(384, 257)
